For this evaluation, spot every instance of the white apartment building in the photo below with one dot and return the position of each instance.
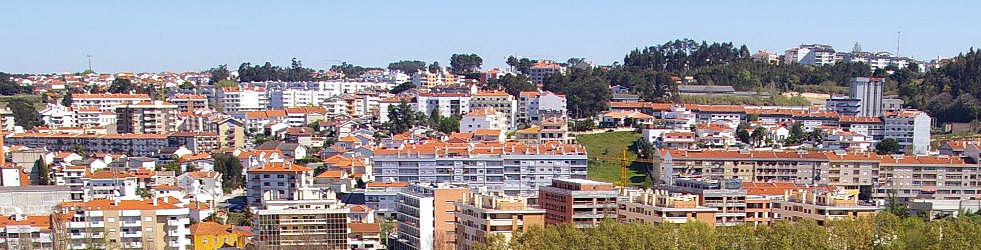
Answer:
(813, 54)
(448, 104)
(535, 106)
(384, 104)
(122, 224)
(89, 117)
(55, 115)
(512, 168)
(237, 100)
(109, 184)
(426, 219)
(911, 128)
(500, 101)
(106, 102)
(878, 60)
(486, 118)
(203, 186)
(276, 181)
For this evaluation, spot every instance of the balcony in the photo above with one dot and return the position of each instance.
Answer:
(133, 223)
(137, 234)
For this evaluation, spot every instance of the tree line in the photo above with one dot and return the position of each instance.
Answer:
(882, 231)
(268, 72)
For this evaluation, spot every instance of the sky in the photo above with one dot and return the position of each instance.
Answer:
(155, 36)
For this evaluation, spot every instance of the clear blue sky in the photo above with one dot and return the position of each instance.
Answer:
(152, 36)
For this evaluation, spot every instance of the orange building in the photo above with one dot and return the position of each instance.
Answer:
(210, 235)
(583, 202)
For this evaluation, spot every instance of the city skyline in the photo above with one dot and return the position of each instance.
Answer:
(192, 36)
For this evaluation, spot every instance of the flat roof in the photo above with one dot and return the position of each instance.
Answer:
(583, 181)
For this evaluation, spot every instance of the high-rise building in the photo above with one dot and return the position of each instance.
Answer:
(582, 202)
(812, 54)
(482, 215)
(869, 93)
(148, 117)
(426, 216)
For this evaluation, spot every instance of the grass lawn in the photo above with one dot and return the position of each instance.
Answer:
(610, 146)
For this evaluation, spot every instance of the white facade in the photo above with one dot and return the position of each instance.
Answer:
(236, 100)
(910, 128)
(105, 102)
(487, 118)
(55, 115)
(534, 107)
(449, 104)
(815, 54)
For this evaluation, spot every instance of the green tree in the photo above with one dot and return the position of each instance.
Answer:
(231, 169)
(122, 85)
(187, 85)
(407, 66)
(66, 99)
(43, 172)
(225, 84)
(512, 84)
(434, 67)
(449, 124)
(402, 87)
(887, 146)
(464, 63)
(401, 118)
(758, 135)
(742, 133)
(218, 73)
(25, 115)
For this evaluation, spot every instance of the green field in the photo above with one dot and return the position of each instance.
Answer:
(609, 146)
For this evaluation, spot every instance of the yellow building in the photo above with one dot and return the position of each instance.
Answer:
(210, 235)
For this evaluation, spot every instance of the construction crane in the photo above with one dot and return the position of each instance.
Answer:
(625, 164)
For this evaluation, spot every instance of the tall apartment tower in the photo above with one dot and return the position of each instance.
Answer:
(427, 216)
(869, 93)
